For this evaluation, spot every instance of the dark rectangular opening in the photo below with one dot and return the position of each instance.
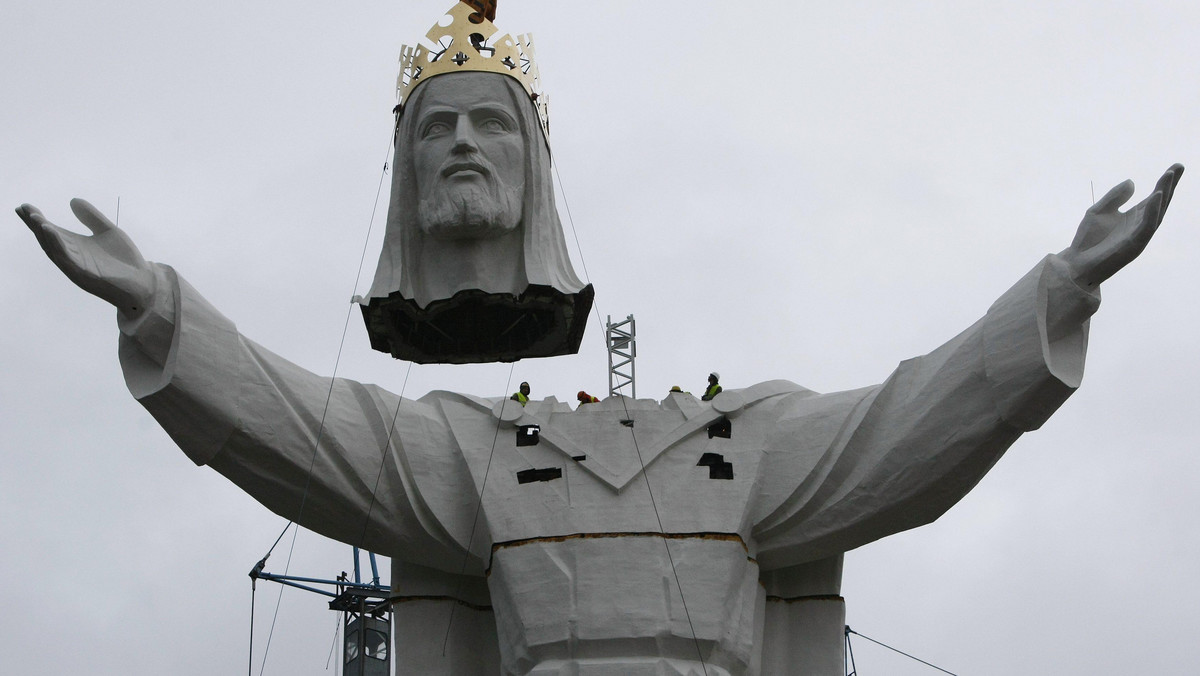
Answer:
(527, 476)
(717, 467)
(528, 435)
(722, 428)
(721, 470)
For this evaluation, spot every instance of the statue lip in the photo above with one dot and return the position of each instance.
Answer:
(464, 166)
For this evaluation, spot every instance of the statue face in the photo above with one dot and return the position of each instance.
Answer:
(469, 157)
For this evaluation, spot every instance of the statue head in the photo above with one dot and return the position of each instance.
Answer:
(474, 264)
(471, 174)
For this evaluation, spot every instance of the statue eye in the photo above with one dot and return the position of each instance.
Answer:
(435, 129)
(494, 125)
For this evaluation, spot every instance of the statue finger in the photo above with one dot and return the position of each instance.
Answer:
(1118, 195)
(32, 216)
(1166, 185)
(90, 216)
(48, 235)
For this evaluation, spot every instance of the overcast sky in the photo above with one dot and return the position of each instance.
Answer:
(809, 191)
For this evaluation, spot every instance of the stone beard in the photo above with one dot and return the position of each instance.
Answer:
(469, 212)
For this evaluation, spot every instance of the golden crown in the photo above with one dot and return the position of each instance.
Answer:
(466, 44)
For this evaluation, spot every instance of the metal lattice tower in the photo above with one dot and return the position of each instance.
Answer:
(622, 348)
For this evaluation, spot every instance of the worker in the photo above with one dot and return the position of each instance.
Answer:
(521, 396)
(585, 398)
(714, 388)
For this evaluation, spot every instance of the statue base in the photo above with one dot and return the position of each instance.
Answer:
(474, 327)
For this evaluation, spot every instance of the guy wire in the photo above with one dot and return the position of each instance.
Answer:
(325, 411)
(666, 544)
(337, 631)
(478, 507)
(250, 657)
(341, 344)
(387, 445)
(574, 233)
(896, 650)
(633, 434)
(278, 602)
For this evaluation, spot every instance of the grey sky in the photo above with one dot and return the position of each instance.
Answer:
(809, 191)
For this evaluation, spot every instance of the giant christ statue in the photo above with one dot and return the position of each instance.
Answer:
(635, 555)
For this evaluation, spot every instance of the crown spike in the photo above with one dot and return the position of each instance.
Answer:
(466, 44)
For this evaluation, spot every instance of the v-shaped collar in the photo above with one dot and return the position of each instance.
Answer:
(613, 472)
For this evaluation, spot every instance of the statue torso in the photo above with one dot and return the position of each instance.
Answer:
(586, 555)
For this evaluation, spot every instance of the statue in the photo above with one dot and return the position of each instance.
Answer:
(653, 548)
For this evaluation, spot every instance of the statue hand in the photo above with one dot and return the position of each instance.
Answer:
(106, 264)
(1108, 239)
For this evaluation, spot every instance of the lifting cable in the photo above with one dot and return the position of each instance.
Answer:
(496, 434)
(320, 432)
(851, 653)
(633, 435)
(578, 247)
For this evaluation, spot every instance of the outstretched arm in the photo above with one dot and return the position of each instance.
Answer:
(899, 455)
(106, 264)
(318, 451)
(1109, 239)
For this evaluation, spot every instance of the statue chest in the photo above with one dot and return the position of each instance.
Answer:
(606, 469)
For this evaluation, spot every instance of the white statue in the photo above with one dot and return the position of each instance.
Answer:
(603, 568)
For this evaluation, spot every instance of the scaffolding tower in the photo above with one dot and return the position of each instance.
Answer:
(622, 348)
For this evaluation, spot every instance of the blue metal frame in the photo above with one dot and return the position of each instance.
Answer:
(257, 573)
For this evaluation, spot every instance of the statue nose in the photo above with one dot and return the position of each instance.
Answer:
(464, 135)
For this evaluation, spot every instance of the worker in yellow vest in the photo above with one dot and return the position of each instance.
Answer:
(521, 396)
(713, 387)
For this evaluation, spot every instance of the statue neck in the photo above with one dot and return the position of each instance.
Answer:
(494, 265)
